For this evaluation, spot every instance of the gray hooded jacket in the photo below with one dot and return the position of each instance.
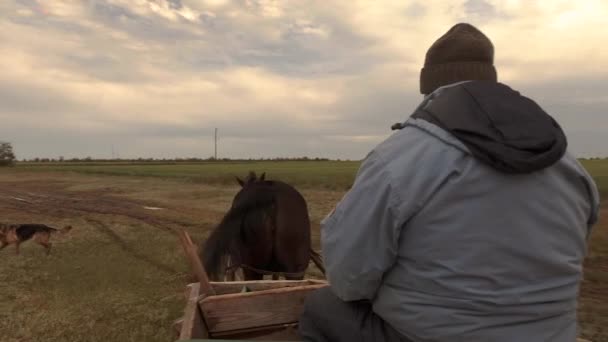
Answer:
(468, 224)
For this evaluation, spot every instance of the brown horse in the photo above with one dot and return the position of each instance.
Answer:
(266, 231)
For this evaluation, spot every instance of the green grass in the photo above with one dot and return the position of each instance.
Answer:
(336, 175)
(307, 174)
(92, 289)
(125, 282)
(121, 281)
(599, 171)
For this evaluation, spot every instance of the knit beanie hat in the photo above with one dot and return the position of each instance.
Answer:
(463, 53)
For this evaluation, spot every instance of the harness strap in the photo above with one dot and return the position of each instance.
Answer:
(266, 272)
(315, 257)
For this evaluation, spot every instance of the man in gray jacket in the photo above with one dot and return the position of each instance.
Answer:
(470, 223)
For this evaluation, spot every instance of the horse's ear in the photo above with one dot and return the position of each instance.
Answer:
(263, 177)
(240, 181)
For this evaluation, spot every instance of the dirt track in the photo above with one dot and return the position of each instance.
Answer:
(51, 200)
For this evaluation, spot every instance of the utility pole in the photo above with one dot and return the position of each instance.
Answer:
(215, 139)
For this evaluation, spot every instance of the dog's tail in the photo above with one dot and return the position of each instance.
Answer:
(62, 231)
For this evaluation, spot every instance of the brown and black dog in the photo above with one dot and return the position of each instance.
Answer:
(19, 233)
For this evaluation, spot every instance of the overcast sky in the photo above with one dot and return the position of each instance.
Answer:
(325, 78)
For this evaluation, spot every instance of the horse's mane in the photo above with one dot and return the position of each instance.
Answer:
(255, 195)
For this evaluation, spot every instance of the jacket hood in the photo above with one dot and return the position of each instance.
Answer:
(500, 127)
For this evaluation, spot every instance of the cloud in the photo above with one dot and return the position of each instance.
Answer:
(155, 77)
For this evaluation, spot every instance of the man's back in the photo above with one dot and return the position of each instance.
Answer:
(468, 224)
(490, 255)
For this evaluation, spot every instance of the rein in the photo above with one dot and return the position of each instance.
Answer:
(265, 272)
(315, 257)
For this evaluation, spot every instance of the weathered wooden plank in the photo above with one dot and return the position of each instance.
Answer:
(221, 288)
(193, 325)
(177, 326)
(255, 309)
(282, 332)
(195, 263)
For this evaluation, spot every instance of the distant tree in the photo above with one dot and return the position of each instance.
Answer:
(7, 157)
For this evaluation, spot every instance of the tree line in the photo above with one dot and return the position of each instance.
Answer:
(164, 160)
(7, 158)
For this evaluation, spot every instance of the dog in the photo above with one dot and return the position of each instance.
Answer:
(19, 233)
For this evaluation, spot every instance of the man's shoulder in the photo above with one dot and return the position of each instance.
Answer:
(418, 139)
(417, 153)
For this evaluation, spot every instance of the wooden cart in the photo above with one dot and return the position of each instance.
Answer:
(268, 311)
(241, 310)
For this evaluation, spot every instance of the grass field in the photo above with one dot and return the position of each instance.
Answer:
(336, 175)
(120, 274)
(311, 174)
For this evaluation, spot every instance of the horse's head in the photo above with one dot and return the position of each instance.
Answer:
(245, 233)
(252, 189)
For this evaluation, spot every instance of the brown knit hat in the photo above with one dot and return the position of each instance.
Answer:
(463, 53)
